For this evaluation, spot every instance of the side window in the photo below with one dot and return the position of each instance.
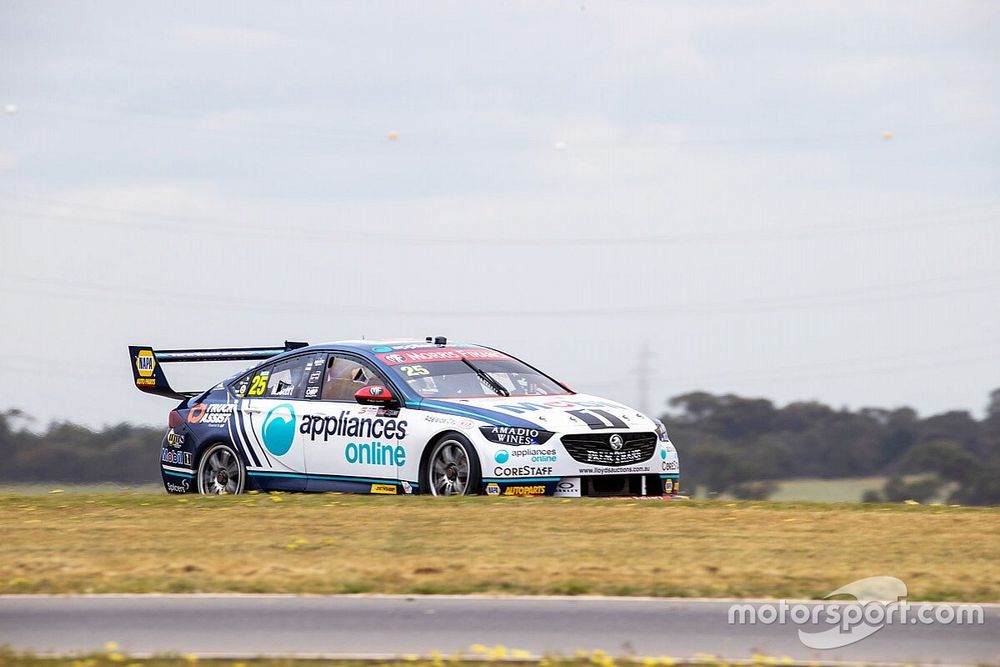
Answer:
(344, 377)
(289, 378)
(258, 381)
(240, 386)
(314, 375)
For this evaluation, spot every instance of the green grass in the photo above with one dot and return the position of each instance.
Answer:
(288, 543)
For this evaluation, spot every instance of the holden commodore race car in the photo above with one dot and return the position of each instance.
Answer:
(400, 417)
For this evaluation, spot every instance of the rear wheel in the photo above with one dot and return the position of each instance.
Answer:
(452, 469)
(220, 471)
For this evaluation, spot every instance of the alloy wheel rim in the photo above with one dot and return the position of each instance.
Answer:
(220, 473)
(449, 469)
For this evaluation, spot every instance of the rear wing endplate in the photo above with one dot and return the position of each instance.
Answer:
(149, 377)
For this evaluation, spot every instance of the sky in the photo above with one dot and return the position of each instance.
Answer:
(776, 199)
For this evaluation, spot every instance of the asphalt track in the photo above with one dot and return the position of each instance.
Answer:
(381, 626)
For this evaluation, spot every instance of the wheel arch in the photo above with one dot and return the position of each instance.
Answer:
(210, 442)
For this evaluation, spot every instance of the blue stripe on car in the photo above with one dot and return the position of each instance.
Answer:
(475, 412)
(337, 478)
(241, 433)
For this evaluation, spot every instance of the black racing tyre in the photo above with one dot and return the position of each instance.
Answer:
(220, 471)
(451, 467)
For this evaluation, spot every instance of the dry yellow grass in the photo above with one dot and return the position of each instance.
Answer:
(335, 544)
(495, 656)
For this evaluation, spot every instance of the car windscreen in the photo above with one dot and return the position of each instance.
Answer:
(457, 378)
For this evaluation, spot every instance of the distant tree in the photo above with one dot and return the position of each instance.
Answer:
(726, 441)
(944, 457)
(728, 416)
(993, 407)
(67, 452)
(694, 407)
(983, 488)
(771, 456)
(991, 425)
(716, 466)
(872, 496)
(803, 416)
(957, 426)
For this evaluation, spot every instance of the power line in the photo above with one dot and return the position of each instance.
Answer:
(868, 294)
(865, 372)
(976, 214)
(834, 368)
(218, 125)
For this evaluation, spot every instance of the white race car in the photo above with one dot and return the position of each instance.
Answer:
(401, 417)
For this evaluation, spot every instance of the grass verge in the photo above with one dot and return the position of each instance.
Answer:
(286, 543)
(497, 656)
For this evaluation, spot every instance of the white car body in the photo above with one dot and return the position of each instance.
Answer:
(290, 435)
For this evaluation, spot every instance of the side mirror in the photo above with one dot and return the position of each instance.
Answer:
(374, 395)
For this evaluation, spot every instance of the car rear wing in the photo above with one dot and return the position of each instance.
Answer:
(148, 373)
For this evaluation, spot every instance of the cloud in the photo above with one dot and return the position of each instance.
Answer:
(7, 160)
(228, 37)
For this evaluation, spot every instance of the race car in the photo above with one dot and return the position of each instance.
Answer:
(400, 417)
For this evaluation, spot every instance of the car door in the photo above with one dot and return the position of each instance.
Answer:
(348, 446)
(272, 412)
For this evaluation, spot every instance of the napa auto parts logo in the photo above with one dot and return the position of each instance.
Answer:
(145, 363)
(145, 366)
(878, 602)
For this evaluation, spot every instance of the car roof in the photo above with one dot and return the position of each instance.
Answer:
(388, 345)
(367, 348)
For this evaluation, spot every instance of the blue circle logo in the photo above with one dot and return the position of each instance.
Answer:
(663, 454)
(502, 456)
(278, 431)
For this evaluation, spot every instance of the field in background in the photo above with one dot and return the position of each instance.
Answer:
(839, 490)
(814, 490)
(137, 542)
(848, 490)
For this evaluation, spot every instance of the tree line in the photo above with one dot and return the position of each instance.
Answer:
(727, 443)
(68, 452)
(737, 445)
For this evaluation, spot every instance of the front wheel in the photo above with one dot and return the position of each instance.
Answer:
(220, 471)
(452, 469)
